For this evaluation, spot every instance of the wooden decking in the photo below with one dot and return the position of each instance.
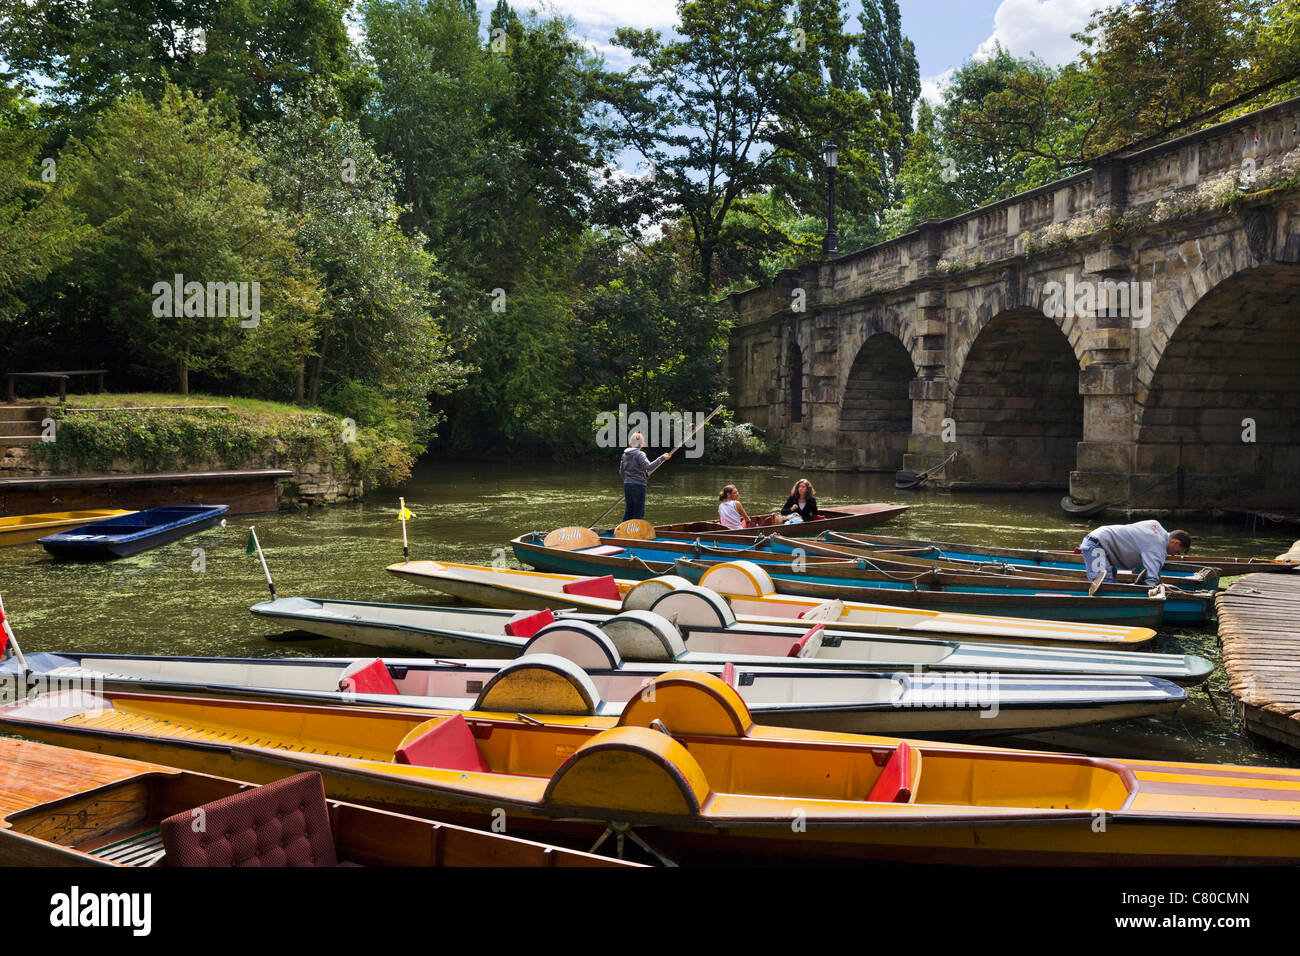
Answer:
(32, 773)
(245, 491)
(1259, 626)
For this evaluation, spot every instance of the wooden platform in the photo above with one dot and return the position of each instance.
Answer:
(32, 773)
(246, 492)
(1259, 626)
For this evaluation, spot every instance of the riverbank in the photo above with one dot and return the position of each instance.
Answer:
(332, 458)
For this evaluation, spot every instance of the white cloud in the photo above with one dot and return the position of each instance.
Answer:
(932, 86)
(600, 18)
(1040, 27)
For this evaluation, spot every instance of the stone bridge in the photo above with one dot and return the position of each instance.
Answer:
(1131, 333)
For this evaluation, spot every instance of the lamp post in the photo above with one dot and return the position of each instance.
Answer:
(831, 244)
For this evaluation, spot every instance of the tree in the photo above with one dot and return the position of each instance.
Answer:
(240, 55)
(38, 230)
(697, 109)
(377, 326)
(171, 190)
(889, 64)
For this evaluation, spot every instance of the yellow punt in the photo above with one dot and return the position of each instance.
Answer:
(753, 600)
(23, 529)
(688, 769)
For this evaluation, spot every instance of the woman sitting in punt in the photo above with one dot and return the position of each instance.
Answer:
(801, 502)
(731, 513)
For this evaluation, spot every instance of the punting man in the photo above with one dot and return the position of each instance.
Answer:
(635, 468)
(1142, 545)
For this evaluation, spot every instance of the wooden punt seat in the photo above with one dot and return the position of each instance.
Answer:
(643, 594)
(603, 550)
(579, 641)
(694, 606)
(528, 623)
(743, 578)
(644, 636)
(285, 823)
(633, 770)
(540, 684)
(602, 586)
(446, 743)
(689, 702)
(900, 777)
(368, 677)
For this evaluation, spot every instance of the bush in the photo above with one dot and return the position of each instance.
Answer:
(737, 444)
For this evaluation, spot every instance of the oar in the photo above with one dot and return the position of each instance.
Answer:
(255, 545)
(11, 641)
(679, 447)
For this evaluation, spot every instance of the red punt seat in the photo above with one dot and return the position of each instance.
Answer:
(529, 623)
(448, 745)
(897, 779)
(601, 587)
(370, 678)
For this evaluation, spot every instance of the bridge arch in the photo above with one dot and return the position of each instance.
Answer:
(1218, 411)
(1016, 410)
(876, 404)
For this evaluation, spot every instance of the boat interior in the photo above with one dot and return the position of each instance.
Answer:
(689, 736)
(163, 818)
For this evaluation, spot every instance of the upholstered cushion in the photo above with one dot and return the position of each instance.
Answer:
(368, 677)
(447, 745)
(529, 623)
(285, 823)
(602, 587)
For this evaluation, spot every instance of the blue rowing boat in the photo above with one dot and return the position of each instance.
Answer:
(133, 533)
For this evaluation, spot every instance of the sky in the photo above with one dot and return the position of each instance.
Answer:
(946, 32)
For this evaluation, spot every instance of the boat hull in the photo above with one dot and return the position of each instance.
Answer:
(836, 519)
(1243, 815)
(535, 590)
(148, 529)
(25, 529)
(443, 632)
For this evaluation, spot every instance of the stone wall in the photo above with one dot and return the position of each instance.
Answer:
(1145, 408)
(313, 483)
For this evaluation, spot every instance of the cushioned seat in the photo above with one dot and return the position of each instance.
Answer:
(528, 623)
(601, 587)
(447, 745)
(285, 823)
(368, 677)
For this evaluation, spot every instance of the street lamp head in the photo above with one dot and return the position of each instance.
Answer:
(831, 152)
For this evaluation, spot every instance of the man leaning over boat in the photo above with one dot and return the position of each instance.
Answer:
(1144, 545)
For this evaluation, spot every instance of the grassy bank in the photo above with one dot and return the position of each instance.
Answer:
(96, 433)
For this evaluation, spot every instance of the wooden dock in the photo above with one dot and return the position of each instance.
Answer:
(246, 492)
(1259, 627)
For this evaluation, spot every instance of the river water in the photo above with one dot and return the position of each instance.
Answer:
(192, 597)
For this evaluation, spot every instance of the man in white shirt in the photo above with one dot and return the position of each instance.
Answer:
(1142, 545)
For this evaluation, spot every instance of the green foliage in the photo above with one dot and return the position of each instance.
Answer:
(377, 324)
(170, 190)
(238, 55)
(737, 444)
(39, 231)
(163, 440)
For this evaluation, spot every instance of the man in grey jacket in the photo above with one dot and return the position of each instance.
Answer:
(635, 468)
(1142, 545)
